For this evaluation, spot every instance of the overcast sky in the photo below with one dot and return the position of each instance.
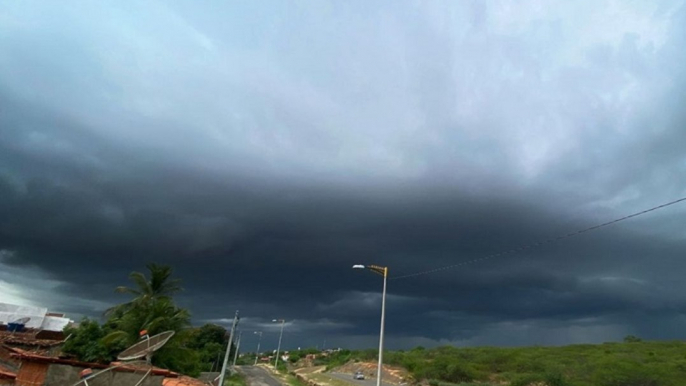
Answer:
(263, 148)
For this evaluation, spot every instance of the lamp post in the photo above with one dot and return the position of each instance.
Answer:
(278, 348)
(383, 271)
(257, 353)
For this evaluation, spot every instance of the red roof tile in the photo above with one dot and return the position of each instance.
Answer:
(26, 339)
(6, 372)
(183, 381)
(32, 357)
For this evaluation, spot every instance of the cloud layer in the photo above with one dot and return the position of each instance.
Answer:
(263, 148)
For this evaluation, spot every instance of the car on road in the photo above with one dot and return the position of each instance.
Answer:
(358, 375)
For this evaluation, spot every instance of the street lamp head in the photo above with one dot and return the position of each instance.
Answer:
(358, 266)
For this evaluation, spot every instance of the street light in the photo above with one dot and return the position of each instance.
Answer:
(383, 271)
(278, 348)
(257, 353)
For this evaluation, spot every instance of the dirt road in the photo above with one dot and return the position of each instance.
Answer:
(359, 382)
(257, 376)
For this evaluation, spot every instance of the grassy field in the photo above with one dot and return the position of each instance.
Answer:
(610, 364)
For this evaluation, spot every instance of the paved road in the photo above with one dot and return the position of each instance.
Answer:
(360, 382)
(257, 376)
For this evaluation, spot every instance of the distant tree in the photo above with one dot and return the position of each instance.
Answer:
(632, 339)
(84, 342)
(152, 309)
(160, 285)
(208, 334)
(293, 357)
(177, 355)
(152, 316)
(210, 342)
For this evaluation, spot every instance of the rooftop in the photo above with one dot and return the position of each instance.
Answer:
(6, 372)
(33, 357)
(28, 338)
(183, 381)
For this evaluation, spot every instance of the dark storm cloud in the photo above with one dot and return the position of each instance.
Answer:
(263, 157)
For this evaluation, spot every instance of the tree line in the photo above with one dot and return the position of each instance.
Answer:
(151, 308)
(629, 363)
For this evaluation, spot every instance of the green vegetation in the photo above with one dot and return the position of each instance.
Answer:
(632, 363)
(282, 367)
(152, 309)
(293, 381)
(235, 379)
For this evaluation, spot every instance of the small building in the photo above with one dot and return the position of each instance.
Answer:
(41, 370)
(30, 341)
(36, 317)
(31, 355)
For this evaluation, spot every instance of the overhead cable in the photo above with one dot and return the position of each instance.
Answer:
(538, 244)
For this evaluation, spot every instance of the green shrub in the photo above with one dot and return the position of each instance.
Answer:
(637, 363)
(628, 374)
(556, 379)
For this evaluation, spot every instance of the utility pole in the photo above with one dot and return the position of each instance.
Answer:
(215, 365)
(257, 353)
(278, 348)
(238, 346)
(383, 319)
(228, 349)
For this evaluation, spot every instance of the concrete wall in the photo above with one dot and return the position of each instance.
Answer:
(64, 375)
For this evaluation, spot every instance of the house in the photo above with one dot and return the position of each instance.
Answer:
(29, 341)
(36, 317)
(42, 370)
(33, 357)
(30, 355)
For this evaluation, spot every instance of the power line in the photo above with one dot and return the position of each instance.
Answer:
(538, 244)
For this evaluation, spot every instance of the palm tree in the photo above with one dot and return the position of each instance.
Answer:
(159, 286)
(152, 307)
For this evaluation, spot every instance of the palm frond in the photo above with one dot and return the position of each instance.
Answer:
(114, 336)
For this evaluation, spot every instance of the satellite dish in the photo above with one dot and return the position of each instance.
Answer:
(146, 347)
(132, 356)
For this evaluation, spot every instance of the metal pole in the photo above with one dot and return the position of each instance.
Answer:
(257, 353)
(383, 318)
(228, 350)
(238, 346)
(278, 348)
